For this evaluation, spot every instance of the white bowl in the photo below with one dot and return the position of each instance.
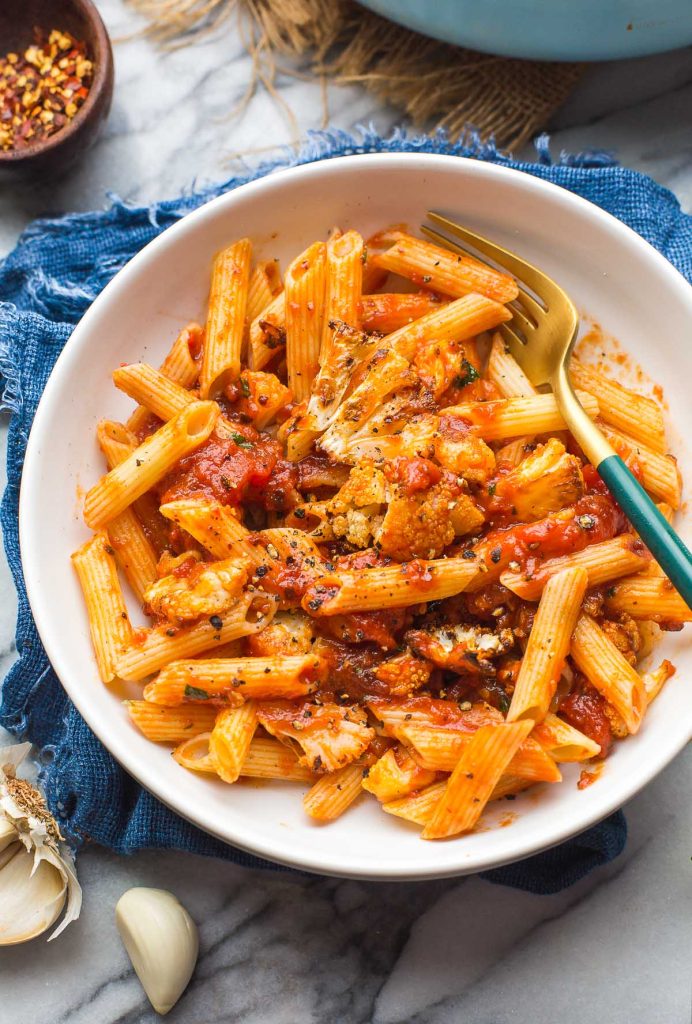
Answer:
(612, 274)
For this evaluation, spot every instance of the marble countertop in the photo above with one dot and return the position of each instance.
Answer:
(296, 950)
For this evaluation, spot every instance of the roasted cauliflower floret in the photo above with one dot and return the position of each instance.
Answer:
(404, 674)
(196, 589)
(465, 649)
(355, 509)
(425, 512)
(462, 452)
(287, 633)
(544, 482)
(396, 774)
(326, 736)
(625, 634)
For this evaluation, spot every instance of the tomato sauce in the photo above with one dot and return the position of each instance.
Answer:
(592, 519)
(247, 466)
(350, 670)
(585, 710)
(381, 628)
(412, 474)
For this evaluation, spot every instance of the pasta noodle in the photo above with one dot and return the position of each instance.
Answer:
(609, 671)
(548, 646)
(305, 299)
(145, 466)
(109, 622)
(472, 782)
(370, 557)
(223, 335)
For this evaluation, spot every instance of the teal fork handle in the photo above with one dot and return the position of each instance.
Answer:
(660, 538)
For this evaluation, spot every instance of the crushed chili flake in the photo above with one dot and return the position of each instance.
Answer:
(42, 89)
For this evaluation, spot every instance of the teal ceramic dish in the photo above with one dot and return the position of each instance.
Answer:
(549, 29)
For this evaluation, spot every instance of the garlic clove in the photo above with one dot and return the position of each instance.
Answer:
(43, 880)
(161, 940)
(32, 896)
(8, 833)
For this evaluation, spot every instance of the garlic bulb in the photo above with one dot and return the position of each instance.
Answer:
(37, 877)
(162, 942)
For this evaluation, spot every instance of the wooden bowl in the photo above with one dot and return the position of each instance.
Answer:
(18, 19)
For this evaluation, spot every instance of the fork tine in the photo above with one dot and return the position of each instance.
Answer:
(513, 341)
(509, 260)
(530, 304)
(522, 320)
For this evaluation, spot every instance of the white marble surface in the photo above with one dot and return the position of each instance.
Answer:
(291, 950)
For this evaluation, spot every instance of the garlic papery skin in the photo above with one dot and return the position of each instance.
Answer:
(162, 942)
(37, 877)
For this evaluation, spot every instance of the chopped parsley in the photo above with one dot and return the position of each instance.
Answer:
(195, 693)
(468, 374)
(492, 488)
(242, 442)
(244, 387)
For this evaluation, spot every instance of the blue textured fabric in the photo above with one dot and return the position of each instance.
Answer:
(46, 284)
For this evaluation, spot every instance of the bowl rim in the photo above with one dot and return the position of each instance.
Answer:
(620, 790)
(103, 77)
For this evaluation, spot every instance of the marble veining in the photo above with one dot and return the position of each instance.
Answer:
(292, 949)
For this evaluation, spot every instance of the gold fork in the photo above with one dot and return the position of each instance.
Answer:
(541, 336)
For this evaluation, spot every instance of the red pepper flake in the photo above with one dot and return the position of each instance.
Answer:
(42, 89)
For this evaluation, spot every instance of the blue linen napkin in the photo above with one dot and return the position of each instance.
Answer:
(46, 284)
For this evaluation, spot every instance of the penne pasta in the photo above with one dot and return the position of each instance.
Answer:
(389, 312)
(637, 416)
(148, 463)
(440, 750)
(194, 753)
(659, 473)
(265, 758)
(510, 417)
(133, 549)
(333, 794)
(226, 680)
(457, 321)
(548, 646)
(656, 680)
(472, 782)
(419, 806)
(603, 562)
(305, 302)
(153, 391)
(109, 623)
(394, 586)
(269, 759)
(225, 327)
(562, 741)
(344, 286)
(444, 271)
(265, 284)
(150, 650)
(215, 527)
(647, 597)
(230, 739)
(608, 670)
(180, 366)
(171, 725)
(506, 373)
(267, 334)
